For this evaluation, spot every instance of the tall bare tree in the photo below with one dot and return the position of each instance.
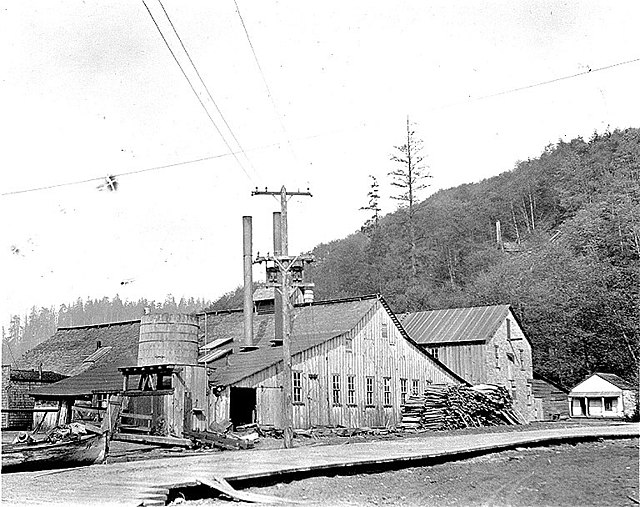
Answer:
(373, 206)
(409, 177)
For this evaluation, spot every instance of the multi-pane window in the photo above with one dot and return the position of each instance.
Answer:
(349, 343)
(385, 330)
(522, 359)
(415, 387)
(369, 391)
(403, 390)
(434, 353)
(497, 353)
(297, 387)
(336, 389)
(351, 389)
(386, 391)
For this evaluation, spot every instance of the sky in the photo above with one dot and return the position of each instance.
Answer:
(297, 94)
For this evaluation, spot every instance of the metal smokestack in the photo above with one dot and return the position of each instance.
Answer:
(247, 245)
(277, 250)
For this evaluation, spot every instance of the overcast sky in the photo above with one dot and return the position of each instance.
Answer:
(89, 89)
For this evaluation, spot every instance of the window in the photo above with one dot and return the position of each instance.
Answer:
(529, 394)
(522, 360)
(435, 353)
(403, 391)
(369, 391)
(387, 391)
(387, 335)
(415, 387)
(297, 387)
(497, 353)
(336, 389)
(508, 329)
(610, 404)
(349, 343)
(351, 389)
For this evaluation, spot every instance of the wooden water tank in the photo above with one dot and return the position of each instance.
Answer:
(167, 338)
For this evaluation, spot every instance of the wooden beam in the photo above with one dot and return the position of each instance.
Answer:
(153, 439)
(159, 392)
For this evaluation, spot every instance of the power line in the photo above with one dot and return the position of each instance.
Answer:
(101, 178)
(195, 92)
(542, 83)
(204, 84)
(264, 80)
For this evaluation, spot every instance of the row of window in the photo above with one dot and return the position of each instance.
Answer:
(369, 394)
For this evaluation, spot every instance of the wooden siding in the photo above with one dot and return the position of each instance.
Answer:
(501, 361)
(555, 402)
(371, 355)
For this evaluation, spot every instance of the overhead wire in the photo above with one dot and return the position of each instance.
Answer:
(313, 136)
(196, 93)
(205, 85)
(264, 80)
(541, 83)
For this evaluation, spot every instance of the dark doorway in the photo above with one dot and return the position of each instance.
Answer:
(242, 408)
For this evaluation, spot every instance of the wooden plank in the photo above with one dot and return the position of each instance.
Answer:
(141, 417)
(30, 410)
(159, 392)
(153, 439)
(222, 486)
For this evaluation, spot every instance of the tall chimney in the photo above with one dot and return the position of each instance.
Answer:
(248, 280)
(277, 250)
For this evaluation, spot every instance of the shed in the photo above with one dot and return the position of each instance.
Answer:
(17, 404)
(483, 344)
(550, 399)
(353, 366)
(604, 395)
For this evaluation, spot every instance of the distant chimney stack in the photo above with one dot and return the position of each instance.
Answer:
(98, 344)
(247, 252)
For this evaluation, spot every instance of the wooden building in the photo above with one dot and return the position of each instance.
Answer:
(353, 366)
(604, 395)
(17, 405)
(481, 344)
(90, 357)
(550, 399)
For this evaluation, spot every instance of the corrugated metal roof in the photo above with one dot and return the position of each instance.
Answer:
(312, 324)
(454, 325)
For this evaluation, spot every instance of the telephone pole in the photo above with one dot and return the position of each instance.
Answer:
(284, 272)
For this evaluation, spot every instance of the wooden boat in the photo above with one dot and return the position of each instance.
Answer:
(83, 450)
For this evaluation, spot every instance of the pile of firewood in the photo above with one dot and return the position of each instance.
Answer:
(449, 407)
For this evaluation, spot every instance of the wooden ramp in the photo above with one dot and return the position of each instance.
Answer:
(149, 482)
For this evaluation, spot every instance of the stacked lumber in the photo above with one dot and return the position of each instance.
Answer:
(449, 407)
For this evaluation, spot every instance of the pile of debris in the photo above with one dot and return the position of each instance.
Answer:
(449, 407)
(220, 436)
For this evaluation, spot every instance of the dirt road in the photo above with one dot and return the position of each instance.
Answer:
(595, 473)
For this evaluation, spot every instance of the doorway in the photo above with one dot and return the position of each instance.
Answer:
(242, 409)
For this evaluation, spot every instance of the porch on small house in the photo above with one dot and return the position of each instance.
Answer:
(596, 405)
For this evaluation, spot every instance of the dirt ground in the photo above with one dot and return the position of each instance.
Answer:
(603, 473)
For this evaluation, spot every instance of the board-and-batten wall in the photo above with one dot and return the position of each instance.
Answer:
(372, 355)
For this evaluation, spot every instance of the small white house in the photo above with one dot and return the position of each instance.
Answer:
(603, 395)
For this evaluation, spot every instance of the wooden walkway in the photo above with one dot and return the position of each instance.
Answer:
(148, 482)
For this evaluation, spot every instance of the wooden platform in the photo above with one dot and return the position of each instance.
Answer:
(148, 482)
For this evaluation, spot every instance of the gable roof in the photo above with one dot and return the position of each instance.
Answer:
(75, 349)
(455, 325)
(313, 324)
(612, 378)
(69, 347)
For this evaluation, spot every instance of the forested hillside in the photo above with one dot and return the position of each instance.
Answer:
(570, 266)
(27, 331)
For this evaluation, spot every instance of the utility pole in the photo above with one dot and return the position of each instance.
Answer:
(284, 272)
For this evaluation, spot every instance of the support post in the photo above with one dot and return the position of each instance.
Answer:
(287, 371)
(277, 251)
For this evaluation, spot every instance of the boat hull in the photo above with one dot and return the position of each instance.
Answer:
(87, 450)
